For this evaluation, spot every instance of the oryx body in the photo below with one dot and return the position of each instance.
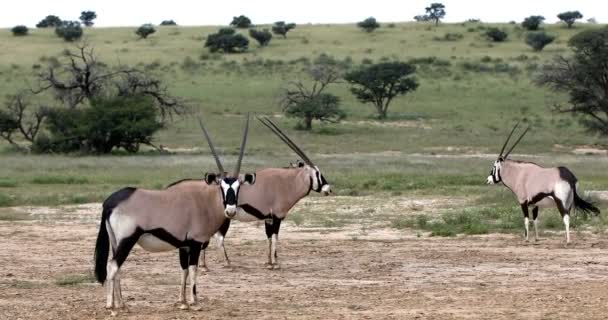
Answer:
(183, 216)
(274, 193)
(535, 186)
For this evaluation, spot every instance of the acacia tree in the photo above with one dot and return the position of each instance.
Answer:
(569, 17)
(370, 24)
(532, 22)
(263, 37)
(49, 22)
(312, 102)
(241, 22)
(16, 118)
(380, 83)
(87, 17)
(436, 11)
(584, 75)
(281, 28)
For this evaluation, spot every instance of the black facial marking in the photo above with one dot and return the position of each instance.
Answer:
(231, 195)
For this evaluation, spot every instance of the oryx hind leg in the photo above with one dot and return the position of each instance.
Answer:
(535, 219)
(562, 199)
(194, 254)
(524, 209)
(272, 232)
(113, 278)
(183, 262)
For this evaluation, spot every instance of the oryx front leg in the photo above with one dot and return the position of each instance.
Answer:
(524, 208)
(535, 219)
(272, 232)
(194, 254)
(221, 234)
(566, 219)
(183, 262)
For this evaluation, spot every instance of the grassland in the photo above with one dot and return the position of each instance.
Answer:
(471, 91)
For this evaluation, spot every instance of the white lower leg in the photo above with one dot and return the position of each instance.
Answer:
(273, 249)
(182, 289)
(118, 292)
(527, 227)
(192, 271)
(567, 225)
(112, 269)
(536, 229)
(270, 251)
(220, 243)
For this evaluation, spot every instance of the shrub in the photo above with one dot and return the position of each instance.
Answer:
(145, 30)
(19, 30)
(168, 23)
(532, 22)
(262, 37)
(323, 107)
(49, 22)
(450, 36)
(281, 28)
(538, 40)
(226, 40)
(370, 24)
(241, 22)
(69, 30)
(496, 35)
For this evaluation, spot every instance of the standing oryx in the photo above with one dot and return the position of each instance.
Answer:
(183, 216)
(535, 186)
(275, 192)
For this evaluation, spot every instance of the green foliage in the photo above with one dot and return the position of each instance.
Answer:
(145, 30)
(87, 18)
(262, 37)
(532, 22)
(380, 83)
(496, 34)
(436, 11)
(113, 123)
(49, 21)
(69, 30)
(569, 17)
(324, 107)
(19, 30)
(227, 40)
(370, 24)
(281, 28)
(538, 40)
(168, 23)
(241, 21)
(584, 76)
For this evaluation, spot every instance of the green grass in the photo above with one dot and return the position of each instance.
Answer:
(59, 180)
(74, 279)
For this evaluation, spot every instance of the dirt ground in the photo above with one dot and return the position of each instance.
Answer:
(342, 273)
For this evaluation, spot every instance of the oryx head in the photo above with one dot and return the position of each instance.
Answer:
(229, 183)
(495, 176)
(319, 184)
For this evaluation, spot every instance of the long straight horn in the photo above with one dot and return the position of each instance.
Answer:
(507, 141)
(516, 142)
(274, 128)
(237, 169)
(217, 159)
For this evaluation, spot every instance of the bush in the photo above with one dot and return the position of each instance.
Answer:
(168, 23)
(538, 40)
(370, 24)
(112, 123)
(69, 30)
(145, 30)
(49, 22)
(324, 107)
(450, 36)
(496, 35)
(532, 22)
(241, 22)
(281, 28)
(19, 30)
(262, 37)
(226, 40)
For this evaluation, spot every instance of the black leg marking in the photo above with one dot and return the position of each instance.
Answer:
(276, 225)
(205, 245)
(224, 228)
(524, 208)
(194, 252)
(269, 228)
(535, 213)
(183, 258)
(125, 246)
(194, 289)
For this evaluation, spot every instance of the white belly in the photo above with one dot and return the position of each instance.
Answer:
(153, 244)
(242, 215)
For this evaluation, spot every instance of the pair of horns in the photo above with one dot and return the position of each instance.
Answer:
(273, 127)
(515, 144)
(237, 169)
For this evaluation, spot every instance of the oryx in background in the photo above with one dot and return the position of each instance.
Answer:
(275, 192)
(535, 186)
(183, 216)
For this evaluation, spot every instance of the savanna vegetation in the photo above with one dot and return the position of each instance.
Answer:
(431, 141)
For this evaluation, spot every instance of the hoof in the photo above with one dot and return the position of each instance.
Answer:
(204, 269)
(195, 307)
(269, 266)
(277, 267)
(113, 313)
(183, 306)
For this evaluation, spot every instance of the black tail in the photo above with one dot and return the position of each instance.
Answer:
(583, 205)
(102, 248)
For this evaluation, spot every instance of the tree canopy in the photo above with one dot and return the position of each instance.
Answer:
(436, 11)
(87, 17)
(569, 17)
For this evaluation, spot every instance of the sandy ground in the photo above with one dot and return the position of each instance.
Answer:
(350, 273)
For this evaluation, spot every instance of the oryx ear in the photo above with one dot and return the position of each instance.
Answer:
(300, 164)
(247, 178)
(211, 177)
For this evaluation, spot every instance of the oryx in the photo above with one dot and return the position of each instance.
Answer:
(535, 186)
(183, 216)
(275, 192)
